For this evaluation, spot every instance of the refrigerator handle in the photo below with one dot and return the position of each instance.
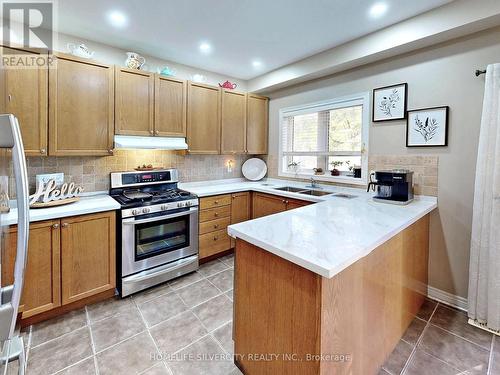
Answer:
(23, 221)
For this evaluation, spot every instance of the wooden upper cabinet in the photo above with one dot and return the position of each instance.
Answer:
(81, 107)
(170, 107)
(203, 119)
(24, 93)
(88, 255)
(134, 102)
(257, 124)
(42, 284)
(233, 136)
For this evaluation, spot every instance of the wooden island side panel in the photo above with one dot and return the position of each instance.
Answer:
(356, 318)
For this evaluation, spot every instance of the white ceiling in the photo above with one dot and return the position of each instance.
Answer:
(276, 32)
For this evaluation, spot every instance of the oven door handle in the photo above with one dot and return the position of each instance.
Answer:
(148, 274)
(191, 211)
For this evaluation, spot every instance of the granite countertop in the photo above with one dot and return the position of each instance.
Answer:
(86, 205)
(326, 237)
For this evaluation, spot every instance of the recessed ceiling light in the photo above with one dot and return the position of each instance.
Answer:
(117, 18)
(378, 9)
(256, 63)
(205, 47)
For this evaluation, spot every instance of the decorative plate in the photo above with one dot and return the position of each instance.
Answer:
(254, 169)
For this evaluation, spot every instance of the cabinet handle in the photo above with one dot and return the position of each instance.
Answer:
(215, 238)
(283, 201)
(287, 202)
(216, 226)
(55, 226)
(216, 214)
(157, 132)
(110, 151)
(233, 196)
(42, 151)
(10, 97)
(64, 225)
(151, 132)
(216, 202)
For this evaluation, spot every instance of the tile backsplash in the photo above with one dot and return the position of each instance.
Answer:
(425, 168)
(92, 172)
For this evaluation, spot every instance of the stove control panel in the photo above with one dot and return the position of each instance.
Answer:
(129, 212)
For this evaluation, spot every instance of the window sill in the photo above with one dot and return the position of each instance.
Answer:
(326, 178)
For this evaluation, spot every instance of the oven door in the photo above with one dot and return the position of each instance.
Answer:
(156, 239)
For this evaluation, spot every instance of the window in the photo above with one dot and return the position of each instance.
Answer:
(327, 135)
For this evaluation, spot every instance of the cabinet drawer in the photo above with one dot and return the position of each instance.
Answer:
(215, 201)
(215, 213)
(213, 225)
(213, 243)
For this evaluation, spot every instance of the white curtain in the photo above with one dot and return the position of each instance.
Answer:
(484, 274)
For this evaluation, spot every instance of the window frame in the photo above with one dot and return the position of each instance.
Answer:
(336, 103)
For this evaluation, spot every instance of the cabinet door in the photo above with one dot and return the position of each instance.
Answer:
(81, 107)
(296, 203)
(25, 95)
(87, 255)
(134, 102)
(257, 124)
(42, 284)
(233, 128)
(170, 107)
(203, 119)
(265, 204)
(240, 207)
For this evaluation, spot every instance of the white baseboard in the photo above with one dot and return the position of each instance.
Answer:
(447, 298)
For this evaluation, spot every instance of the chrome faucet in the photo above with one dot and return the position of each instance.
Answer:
(314, 184)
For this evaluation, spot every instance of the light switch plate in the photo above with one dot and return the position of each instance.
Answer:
(58, 177)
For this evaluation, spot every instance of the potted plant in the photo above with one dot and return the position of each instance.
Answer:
(318, 171)
(335, 164)
(294, 166)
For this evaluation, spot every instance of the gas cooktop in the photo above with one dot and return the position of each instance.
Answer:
(139, 189)
(147, 196)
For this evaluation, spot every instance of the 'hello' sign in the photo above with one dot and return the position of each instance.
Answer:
(48, 192)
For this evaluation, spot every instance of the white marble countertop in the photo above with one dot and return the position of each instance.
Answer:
(86, 205)
(326, 237)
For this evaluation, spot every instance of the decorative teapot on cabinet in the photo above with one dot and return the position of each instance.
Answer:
(228, 85)
(134, 60)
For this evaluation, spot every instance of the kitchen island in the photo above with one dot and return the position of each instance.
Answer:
(329, 288)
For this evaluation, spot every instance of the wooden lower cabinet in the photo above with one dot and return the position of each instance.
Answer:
(69, 260)
(42, 283)
(268, 204)
(88, 255)
(241, 206)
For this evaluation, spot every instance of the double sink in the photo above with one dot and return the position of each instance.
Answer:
(291, 189)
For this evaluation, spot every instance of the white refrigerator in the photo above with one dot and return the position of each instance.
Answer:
(12, 151)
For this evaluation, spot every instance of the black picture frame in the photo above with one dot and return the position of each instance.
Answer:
(405, 103)
(447, 120)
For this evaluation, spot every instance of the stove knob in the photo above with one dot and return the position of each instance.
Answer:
(145, 210)
(135, 212)
(179, 204)
(188, 203)
(164, 207)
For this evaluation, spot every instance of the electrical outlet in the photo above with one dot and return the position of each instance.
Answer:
(58, 177)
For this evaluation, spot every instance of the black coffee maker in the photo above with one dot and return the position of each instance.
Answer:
(394, 186)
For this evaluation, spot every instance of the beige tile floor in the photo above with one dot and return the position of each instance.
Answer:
(184, 328)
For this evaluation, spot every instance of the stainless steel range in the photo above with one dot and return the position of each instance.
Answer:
(158, 230)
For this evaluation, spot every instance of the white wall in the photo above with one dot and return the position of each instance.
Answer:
(441, 75)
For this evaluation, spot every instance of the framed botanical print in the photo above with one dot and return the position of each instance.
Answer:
(390, 102)
(427, 127)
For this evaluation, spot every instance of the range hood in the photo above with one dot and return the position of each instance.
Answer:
(150, 143)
